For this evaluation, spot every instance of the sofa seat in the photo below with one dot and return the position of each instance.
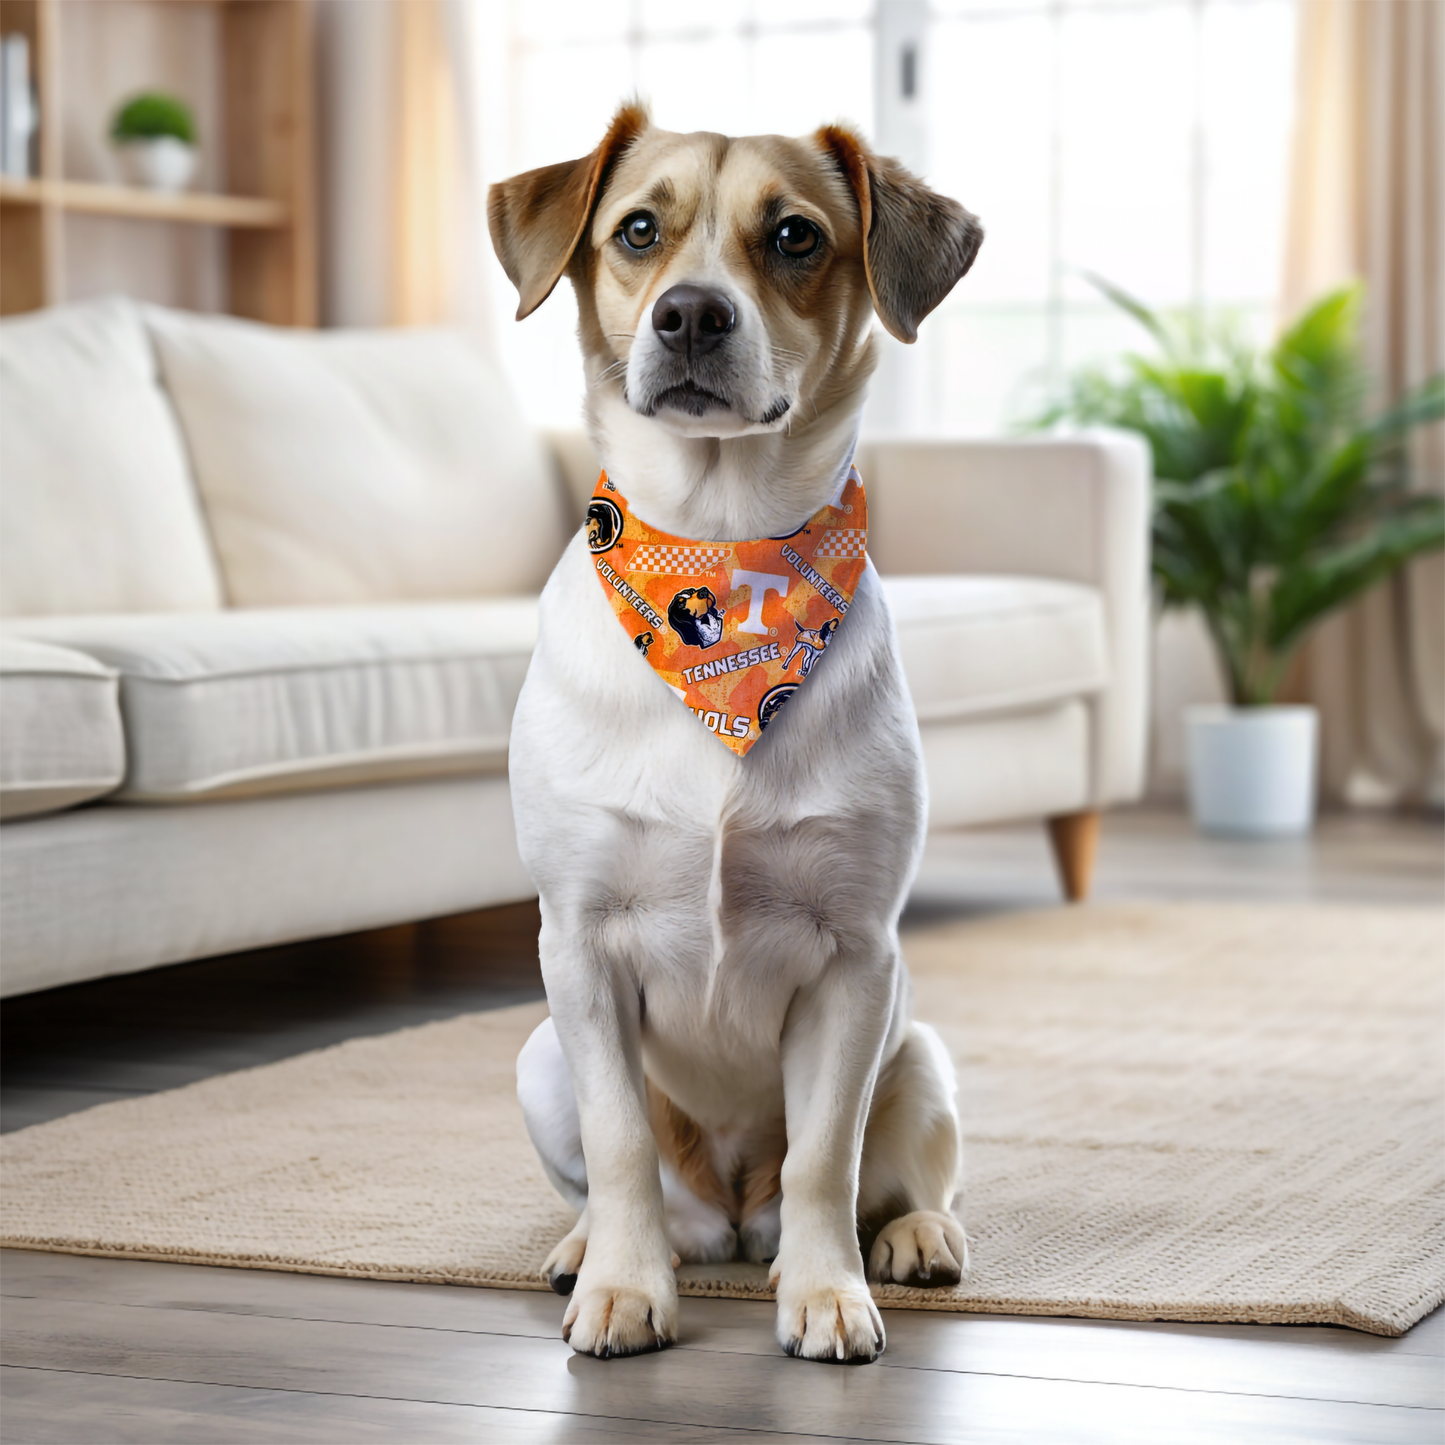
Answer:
(61, 740)
(270, 700)
(978, 646)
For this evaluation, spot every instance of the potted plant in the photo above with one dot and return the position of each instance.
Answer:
(155, 137)
(1275, 501)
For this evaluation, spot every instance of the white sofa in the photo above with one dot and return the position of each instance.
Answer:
(268, 598)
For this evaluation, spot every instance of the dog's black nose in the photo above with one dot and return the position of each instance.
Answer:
(692, 319)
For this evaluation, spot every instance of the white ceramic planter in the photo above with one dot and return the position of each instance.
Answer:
(161, 164)
(1252, 769)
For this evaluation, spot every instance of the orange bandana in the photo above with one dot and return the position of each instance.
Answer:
(732, 627)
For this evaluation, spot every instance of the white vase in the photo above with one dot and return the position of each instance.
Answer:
(162, 163)
(1252, 769)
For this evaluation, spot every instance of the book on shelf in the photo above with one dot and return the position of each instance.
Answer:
(19, 113)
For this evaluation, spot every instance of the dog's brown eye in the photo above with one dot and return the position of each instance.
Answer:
(796, 237)
(639, 231)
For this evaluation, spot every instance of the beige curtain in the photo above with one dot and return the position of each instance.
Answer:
(1367, 199)
(427, 169)
(403, 227)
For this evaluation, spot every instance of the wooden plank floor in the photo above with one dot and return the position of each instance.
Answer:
(108, 1350)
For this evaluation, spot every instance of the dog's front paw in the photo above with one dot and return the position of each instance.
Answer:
(923, 1249)
(836, 1322)
(618, 1319)
(561, 1266)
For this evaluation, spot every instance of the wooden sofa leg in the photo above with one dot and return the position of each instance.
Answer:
(1075, 838)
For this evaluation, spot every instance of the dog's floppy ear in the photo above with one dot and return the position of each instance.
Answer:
(538, 218)
(917, 244)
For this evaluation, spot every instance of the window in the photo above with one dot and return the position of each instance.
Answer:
(1145, 140)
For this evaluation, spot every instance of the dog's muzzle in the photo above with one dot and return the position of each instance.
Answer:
(690, 322)
(701, 362)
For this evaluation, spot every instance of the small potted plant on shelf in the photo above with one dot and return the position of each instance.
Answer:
(155, 137)
(1276, 501)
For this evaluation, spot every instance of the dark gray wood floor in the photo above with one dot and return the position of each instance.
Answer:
(107, 1350)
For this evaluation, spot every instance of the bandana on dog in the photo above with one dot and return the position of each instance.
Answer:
(734, 628)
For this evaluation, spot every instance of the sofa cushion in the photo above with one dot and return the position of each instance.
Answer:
(60, 734)
(97, 511)
(273, 700)
(360, 467)
(973, 645)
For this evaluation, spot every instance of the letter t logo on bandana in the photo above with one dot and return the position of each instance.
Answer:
(734, 628)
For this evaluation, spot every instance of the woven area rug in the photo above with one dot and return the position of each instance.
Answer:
(1171, 1112)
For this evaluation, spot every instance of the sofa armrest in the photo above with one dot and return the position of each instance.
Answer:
(1074, 508)
(578, 466)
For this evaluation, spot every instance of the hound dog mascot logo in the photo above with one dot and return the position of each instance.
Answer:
(810, 643)
(693, 614)
(773, 700)
(604, 524)
(716, 616)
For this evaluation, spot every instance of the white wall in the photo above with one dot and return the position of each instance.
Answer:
(1185, 671)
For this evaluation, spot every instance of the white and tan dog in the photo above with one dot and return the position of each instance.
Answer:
(731, 1066)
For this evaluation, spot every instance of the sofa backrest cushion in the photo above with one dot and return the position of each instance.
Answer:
(97, 509)
(353, 466)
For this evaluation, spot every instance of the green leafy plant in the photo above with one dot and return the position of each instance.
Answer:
(150, 116)
(1276, 500)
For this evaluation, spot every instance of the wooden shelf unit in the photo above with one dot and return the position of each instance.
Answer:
(267, 69)
(97, 199)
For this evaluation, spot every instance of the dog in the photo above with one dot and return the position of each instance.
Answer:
(810, 643)
(731, 1067)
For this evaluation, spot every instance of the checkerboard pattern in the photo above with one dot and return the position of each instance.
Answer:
(661, 558)
(843, 542)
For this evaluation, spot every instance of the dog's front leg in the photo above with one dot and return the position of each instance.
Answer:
(625, 1297)
(832, 1044)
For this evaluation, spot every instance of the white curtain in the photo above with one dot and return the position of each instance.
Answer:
(1368, 200)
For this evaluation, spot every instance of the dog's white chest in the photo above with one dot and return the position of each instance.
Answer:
(720, 885)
